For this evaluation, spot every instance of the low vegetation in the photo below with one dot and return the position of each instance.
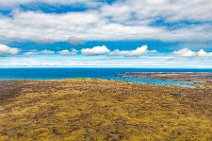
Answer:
(91, 109)
(178, 76)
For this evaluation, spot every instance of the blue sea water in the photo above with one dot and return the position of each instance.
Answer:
(101, 73)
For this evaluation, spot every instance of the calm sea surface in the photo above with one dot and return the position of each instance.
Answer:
(102, 73)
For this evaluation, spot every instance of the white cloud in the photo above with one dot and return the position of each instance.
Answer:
(202, 53)
(138, 52)
(103, 50)
(6, 50)
(97, 50)
(68, 52)
(135, 10)
(46, 51)
(185, 52)
(132, 20)
(30, 53)
(101, 61)
(64, 52)
(36, 52)
(131, 53)
(169, 10)
(12, 3)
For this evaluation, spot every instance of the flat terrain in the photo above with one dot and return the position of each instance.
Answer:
(181, 76)
(91, 109)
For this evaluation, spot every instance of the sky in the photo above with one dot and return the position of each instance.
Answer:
(106, 33)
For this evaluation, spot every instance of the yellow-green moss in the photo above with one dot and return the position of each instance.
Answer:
(87, 109)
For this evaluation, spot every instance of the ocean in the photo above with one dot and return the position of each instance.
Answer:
(99, 73)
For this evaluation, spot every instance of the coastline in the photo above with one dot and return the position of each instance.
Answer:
(192, 78)
(178, 76)
(97, 73)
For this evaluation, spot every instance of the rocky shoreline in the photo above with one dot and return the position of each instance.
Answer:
(178, 76)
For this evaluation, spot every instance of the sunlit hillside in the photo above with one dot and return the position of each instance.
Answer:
(89, 109)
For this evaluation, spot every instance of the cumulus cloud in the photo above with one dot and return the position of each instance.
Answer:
(97, 50)
(203, 53)
(103, 50)
(129, 19)
(47, 52)
(185, 52)
(169, 10)
(131, 53)
(68, 52)
(12, 3)
(124, 10)
(6, 50)
(36, 52)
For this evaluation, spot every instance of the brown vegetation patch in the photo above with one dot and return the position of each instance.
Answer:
(181, 76)
(87, 109)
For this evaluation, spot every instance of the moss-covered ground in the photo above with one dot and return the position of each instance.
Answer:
(92, 110)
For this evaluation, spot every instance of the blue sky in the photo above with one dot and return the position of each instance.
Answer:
(106, 33)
